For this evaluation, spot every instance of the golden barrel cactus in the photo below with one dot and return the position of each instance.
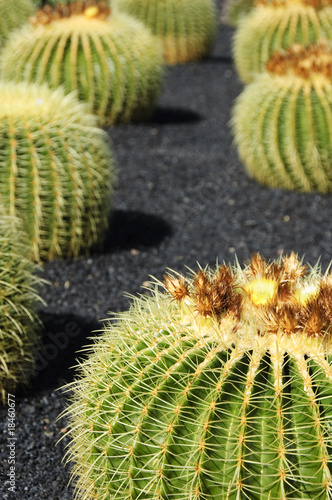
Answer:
(186, 28)
(219, 389)
(112, 61)
(277, 25)
(282, 121)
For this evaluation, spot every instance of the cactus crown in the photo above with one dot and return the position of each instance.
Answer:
(223, 392)
(277, 297)
(90, 9)
(303, 61)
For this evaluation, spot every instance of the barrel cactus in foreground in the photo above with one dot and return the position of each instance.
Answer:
(14, 13)
(282, 122)
(186, 28)
(277, 25)
(56, 170)
(112, 61)
(20, 337)
(219, 389)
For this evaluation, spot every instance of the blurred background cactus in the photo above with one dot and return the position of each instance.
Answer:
(275, 26)
(282, 122)
(56, 170)
(20, 338)
(113, 62)
(219, 389)
(187, 28)
(234, 10)
(14, 13)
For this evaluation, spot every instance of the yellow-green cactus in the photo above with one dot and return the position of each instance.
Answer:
(275, 26)
(186, 28)
(219, 389)
(112, 61)
(14, 13)
(234, 10)
(56, 169)
(282, 122)
(20, 336)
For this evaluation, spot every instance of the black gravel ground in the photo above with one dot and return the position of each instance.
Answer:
(182, 197)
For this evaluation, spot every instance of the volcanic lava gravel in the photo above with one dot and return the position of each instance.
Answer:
(182, 197)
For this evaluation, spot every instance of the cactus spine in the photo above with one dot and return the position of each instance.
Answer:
(56, 170)
(13, 15)
(275, 26)
(186, 28)
(219, 389)
(114, 63)
(19, 323)
(282, 122)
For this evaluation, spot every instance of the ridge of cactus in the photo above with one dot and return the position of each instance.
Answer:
(233, 10)
(13, 15)
(20, 336)
(217, 386)
(56, 170)
(112, 61)
(282, 121)
(276, 26)
(186, 28)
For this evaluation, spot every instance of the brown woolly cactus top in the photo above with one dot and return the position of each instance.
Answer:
(278, 297)
(303, 61)
(316, 4)
(90, 9)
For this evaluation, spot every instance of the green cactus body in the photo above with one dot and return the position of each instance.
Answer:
(56, 170)
(19, 323)
(114, 64)
(282, 122)
(221, 391)
(14, 13)
(274, 27)
(234, 10)
(186, 28)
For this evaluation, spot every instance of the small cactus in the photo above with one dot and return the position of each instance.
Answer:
(219, 389)
(282, 122)
(113, 62)
(277, 25)
(234, 10)
(187, 28)
(56, 169)
(20, 337)
(14, 13)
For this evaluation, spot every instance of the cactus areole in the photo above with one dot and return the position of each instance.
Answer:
(220, 388)
(275, 26)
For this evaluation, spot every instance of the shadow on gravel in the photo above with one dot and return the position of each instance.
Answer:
(63, 336)
(129, 229)
(172, 116)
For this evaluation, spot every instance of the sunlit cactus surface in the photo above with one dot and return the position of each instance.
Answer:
(186, 28)
(113, 62)
(219, 388)
(282, 122)
(277, 25)
(20, 335)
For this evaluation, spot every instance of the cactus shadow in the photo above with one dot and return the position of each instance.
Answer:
(132, 229)
(173, 116)
(64, 335)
